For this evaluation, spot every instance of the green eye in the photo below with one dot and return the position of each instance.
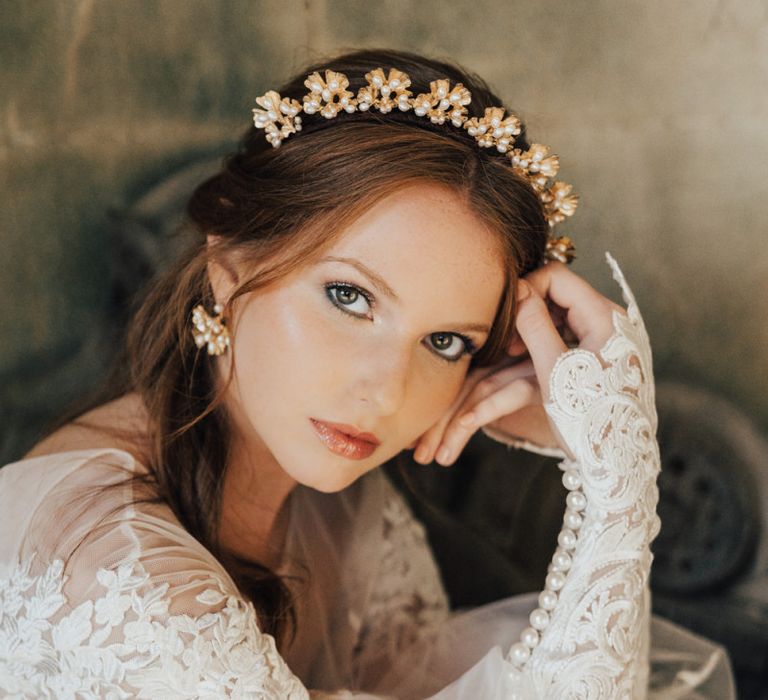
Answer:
(349, 299)
(356, 302)
(347, 295)
(444, 341)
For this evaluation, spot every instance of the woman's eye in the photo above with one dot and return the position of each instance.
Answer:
(352, 300)
(349, 299)
(452, 346)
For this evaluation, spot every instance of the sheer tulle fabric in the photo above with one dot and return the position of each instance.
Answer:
(101, 600)
(376, 619)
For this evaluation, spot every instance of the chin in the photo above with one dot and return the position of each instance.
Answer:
(330, 478)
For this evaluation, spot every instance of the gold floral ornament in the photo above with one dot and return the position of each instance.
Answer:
(323, 94)
(493, 129)
(330, 95)
(536, 164)
(560, 249)
(558, 202)
(282, 112)
(385, 93)
(443, 101)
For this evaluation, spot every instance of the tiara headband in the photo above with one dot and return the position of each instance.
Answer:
(279, 117)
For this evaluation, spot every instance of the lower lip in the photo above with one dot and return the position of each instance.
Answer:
(342, 444)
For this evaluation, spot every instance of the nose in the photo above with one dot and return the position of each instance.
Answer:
(382, 379)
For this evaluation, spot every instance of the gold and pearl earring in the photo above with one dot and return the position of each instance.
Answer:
(210, 331)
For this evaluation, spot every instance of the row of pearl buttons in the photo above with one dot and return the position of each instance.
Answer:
(576, 502)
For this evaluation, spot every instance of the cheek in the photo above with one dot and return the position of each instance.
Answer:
(281, 346)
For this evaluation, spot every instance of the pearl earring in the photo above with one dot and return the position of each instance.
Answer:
(210, 331)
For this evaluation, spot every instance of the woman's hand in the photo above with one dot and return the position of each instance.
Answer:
(510, 397)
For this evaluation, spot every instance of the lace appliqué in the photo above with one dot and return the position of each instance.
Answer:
(125, 644)
(408, 601)
(596, 644)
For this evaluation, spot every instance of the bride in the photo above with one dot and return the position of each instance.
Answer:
(375, 271)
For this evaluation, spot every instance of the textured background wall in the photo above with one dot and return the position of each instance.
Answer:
(658, 111)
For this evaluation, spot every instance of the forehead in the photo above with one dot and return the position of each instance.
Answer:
(424, 231)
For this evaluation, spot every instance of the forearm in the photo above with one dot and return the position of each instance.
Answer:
(590, 633)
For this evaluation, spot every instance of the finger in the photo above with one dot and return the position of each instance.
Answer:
(564, 287)
(588, 313)
(516, 347)
(490, 385)
(430, 440)
(539, 334)
(519, 394)
(516, 395)
(464, 422)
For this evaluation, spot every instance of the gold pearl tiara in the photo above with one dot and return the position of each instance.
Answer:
(279, 117)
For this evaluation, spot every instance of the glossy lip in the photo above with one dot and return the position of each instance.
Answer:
(344, 444)
(354, 432)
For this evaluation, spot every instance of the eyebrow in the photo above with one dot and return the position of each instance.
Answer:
(382, 286)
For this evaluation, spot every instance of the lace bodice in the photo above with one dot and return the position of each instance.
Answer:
(142, 610)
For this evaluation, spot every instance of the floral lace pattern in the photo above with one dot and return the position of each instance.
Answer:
(125, 644)
(596, 643)
(408, 600)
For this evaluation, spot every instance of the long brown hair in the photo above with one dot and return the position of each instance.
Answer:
(276, 209)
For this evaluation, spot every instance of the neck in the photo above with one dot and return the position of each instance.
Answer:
(254, 506)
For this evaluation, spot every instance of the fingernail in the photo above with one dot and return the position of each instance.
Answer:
(523, 290)
(421, 454)
(443, 455)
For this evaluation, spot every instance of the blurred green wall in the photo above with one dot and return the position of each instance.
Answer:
(657, 109)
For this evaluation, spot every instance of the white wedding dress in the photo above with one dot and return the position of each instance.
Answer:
(98, 601)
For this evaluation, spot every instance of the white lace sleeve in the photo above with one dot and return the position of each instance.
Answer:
(589, 637)
(125, 641)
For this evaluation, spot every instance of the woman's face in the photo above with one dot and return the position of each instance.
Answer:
(371, 336)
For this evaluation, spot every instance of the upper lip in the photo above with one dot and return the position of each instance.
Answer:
(354, 432)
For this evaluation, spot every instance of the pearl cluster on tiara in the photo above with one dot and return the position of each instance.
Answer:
(279, 117)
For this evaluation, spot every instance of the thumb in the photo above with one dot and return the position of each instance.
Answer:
(538, 332)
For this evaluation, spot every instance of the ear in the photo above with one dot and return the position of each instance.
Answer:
(222, 274)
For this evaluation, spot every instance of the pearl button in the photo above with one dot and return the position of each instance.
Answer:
(576, 501)
(555, 581)
(571, 480)
(530, 637)
(519, 653)
(572, 519)
(567, 539)
(539, 619)
(547, 599)
(562, 560)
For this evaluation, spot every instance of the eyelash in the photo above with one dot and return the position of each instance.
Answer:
(469, 345)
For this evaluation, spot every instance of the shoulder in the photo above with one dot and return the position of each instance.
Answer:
(120, 424)
(140, 628)
(137, 608)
